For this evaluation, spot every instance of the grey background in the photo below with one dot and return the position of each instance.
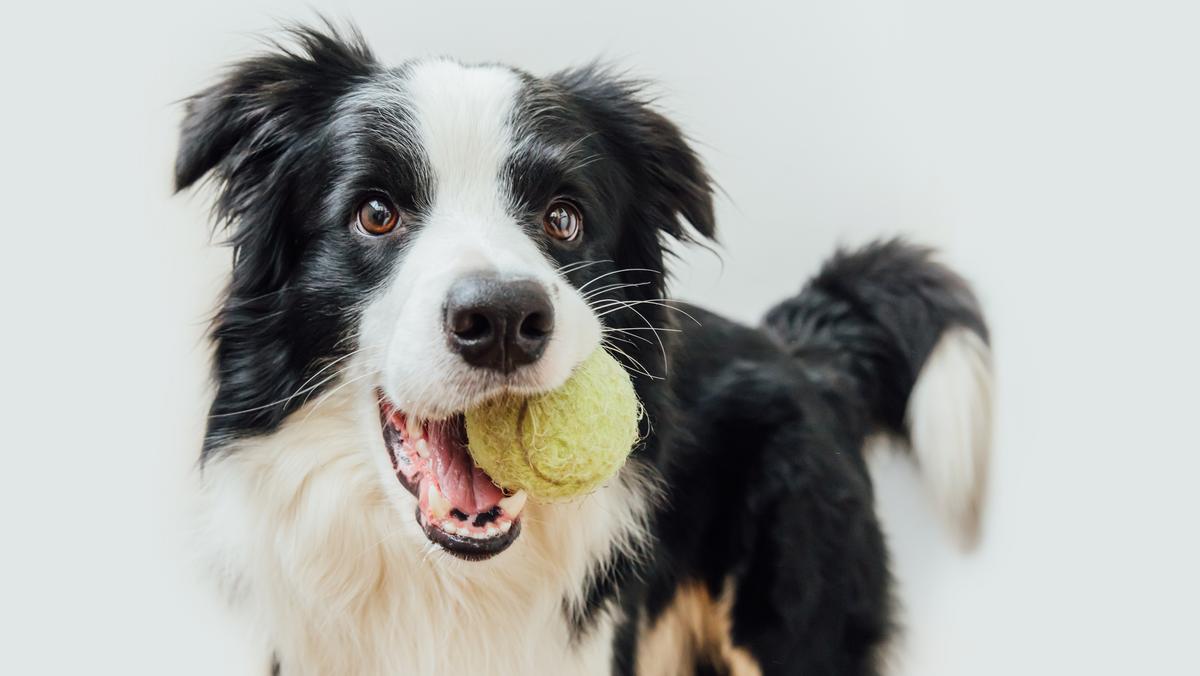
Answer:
(1049, 148)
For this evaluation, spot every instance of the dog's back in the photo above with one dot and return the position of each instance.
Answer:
(770, 552)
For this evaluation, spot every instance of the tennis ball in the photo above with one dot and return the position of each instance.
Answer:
(562, 443)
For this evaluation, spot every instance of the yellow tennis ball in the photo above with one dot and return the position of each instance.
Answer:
(562, 443)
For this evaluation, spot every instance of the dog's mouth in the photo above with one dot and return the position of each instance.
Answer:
(459, 507)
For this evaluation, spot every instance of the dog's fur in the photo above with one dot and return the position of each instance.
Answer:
(740, 537)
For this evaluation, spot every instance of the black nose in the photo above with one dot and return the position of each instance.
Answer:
(498, 324)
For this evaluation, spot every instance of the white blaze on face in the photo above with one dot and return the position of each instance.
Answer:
(463, 122)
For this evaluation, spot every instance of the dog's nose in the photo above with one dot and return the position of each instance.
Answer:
(497, 323)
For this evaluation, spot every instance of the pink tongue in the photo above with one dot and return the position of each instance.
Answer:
(466, 486)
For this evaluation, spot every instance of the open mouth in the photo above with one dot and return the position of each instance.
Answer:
(459, 507)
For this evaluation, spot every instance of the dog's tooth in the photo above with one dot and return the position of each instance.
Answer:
(439, 506)
(422, 447)
(492, 531)
(505, 525)
(448, 527)
(465, 532)
(513, 504)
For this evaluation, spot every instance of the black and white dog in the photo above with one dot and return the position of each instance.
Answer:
(409, 241)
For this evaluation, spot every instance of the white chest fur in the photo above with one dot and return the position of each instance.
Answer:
(314, 538)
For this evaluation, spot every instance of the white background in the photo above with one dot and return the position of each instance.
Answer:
(1050, 148)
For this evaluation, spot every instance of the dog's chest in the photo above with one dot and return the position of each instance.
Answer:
(448, 634)
(341, 580)
(376, 609)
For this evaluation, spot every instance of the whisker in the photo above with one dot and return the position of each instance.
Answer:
(604, 303)
(623, 340)
(660, 302)
(643, 328)
(611, 287)
(303, 389)
(640, 368)
(614, 272)
(610, 331)
(336, 361)
(337, 389)
(579, 265)
(340, 373)
(629, 306)
(665, 302)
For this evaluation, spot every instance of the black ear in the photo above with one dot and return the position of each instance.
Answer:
(264, 105)
(667, 172)
(258, 132)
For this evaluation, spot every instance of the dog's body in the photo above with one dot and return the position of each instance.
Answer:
(740, 537)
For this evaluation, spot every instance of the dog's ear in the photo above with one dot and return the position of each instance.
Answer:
(670, 179)
(256, 132)
(265, 104)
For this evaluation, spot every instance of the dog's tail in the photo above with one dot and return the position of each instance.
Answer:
(903, 337)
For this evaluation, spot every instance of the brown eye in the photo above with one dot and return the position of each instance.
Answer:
(378, 216)
(563, 221)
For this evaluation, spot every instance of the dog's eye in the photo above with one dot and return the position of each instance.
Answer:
(378, 216)
(562, 221)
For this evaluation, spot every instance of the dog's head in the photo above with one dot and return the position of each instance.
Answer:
(432, 235)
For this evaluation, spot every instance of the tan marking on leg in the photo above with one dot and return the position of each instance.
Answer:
(694, 628)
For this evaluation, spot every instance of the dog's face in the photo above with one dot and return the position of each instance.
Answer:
(433, 235)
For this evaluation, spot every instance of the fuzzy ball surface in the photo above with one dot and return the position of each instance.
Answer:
(564, 443)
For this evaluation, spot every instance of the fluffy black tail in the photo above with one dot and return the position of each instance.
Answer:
(905, 335)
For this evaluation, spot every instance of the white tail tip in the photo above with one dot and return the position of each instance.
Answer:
(950, 427)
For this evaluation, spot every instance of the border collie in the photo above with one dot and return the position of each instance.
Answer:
(410, 241)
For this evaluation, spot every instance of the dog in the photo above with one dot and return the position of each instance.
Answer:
(411, 241)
